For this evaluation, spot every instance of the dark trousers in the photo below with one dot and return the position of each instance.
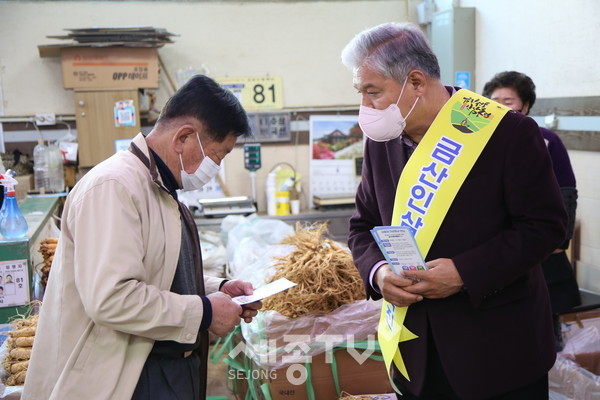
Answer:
(437, 387)
(170, 378)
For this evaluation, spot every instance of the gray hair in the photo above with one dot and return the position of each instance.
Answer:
(392, 49)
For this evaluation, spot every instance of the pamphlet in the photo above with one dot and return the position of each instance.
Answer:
(399, 248)
(262, 292)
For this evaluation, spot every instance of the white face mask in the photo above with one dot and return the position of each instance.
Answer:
(207, 170)
(384, 125)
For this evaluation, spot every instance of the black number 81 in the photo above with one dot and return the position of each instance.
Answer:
(259, 95)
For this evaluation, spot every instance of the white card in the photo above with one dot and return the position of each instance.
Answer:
(262, 292)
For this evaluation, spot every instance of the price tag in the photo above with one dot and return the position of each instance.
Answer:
(256, 92)
(14, 283)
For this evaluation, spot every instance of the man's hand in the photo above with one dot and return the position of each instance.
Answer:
(250, 311)
(225, 314)
(439, 281)
(238, 288)
(393, 287)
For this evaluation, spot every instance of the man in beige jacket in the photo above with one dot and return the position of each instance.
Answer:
(127, 310)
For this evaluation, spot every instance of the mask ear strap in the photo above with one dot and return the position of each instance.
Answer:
(181, 161)
(402, 91)
(200, 143)
(414, 104)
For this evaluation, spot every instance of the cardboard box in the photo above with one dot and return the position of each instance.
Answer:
(70, 175)
(288, 383)
(589, 361)
(109, 67)
(573, 322)
(585, 356)
(354, 378)
(261, 357)
(567, 380)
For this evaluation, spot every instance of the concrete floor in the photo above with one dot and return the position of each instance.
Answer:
(217, 381)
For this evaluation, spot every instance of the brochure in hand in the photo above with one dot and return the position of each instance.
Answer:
(399, 248)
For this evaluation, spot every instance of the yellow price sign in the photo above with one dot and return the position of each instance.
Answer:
(256, 92)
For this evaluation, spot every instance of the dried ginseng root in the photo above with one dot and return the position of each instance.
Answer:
(47, 249)
(325, 273)
(19, 346)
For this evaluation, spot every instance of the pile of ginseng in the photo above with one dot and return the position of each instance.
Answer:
(47, 249)
(19, 345)
(325, 273)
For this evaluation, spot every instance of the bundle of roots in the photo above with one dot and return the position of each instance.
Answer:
(19, 346)
(47, 249)
(325, 273)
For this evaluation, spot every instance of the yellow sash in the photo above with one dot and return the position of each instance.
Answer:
(428, 184)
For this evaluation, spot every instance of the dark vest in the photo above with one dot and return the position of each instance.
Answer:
(167, 368)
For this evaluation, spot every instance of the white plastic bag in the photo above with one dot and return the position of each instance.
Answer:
(569, 381)
(274, 341)
(214, 256)
(248, 240)
(586, 340)
(261, 269)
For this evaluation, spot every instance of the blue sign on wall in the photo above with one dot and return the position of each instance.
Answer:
(462, 79)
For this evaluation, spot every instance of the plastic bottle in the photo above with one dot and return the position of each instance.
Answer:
(40, 167)
(12, 222)
(2, 188)
(271, 189)
(283, 202)
(294, 200)
(56, 172)
(4, 191)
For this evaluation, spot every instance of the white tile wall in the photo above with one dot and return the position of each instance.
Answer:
(586, 165)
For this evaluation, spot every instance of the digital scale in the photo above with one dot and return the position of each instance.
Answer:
(216, 208)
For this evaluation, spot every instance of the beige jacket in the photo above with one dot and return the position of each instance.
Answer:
(108, 296)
